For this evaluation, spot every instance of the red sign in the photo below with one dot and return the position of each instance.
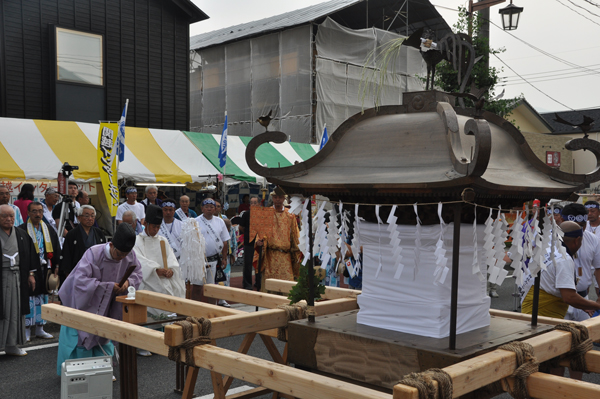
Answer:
(62, 183)
(553, 159)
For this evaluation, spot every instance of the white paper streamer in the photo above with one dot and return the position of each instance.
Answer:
(193, 252)
(395, 242)
(417, 242)
(441, 261)
(295, 205)
(304, 240)
(379, 223)
(356, 238)
(476, 267)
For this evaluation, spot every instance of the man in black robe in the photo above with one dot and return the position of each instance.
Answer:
(79, 240)
(19, 264)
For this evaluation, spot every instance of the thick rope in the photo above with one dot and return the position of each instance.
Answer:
(204, 328)
(293, 312)
(424, 384)
(527, 364)
(580, 345)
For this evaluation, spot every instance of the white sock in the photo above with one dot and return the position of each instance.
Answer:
(39, 330)
(27, 333)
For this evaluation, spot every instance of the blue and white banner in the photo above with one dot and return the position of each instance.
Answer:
(121, 136)
(324, 138)
(223, 145)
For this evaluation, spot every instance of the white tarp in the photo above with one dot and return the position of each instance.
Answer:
(341, 55)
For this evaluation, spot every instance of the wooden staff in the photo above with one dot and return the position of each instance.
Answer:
(163, 249)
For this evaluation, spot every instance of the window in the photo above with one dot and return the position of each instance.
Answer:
(79, 57)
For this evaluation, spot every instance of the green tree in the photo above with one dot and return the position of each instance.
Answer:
(300, 291)
(482, 76)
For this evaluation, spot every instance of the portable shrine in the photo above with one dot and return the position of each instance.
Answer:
(425, 266)
(427, 152)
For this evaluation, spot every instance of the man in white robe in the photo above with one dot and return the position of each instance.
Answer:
(148, 251)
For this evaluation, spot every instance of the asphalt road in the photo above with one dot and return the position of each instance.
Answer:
(34, 376)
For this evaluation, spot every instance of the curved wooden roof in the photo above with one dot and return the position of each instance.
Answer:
(425, 148)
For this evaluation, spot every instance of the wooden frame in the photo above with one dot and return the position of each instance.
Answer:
(467, 376)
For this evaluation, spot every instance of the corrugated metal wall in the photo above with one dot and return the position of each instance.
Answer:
(146, 57)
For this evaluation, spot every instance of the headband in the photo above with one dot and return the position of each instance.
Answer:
(209, 201)
(576, 218)
(556, 211)
(588, 206)
(574, 234)
(164, 204)
(131, 190)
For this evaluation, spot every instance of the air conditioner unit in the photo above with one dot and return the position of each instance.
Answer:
(88, 378)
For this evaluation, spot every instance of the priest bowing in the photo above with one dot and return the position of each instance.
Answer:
(92, 286)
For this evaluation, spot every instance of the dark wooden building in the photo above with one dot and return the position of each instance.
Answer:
(80, 59)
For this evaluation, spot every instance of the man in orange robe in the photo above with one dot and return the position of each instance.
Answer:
(280, 253)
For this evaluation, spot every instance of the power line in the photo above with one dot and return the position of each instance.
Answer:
(577, 12)
(571, 64)
(515, 72)
(541, 79)
(583, 8)
(546, 75)
(592, 3)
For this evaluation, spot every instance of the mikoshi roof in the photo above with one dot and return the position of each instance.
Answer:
(36, 150)
(273, 155)
(425, 148)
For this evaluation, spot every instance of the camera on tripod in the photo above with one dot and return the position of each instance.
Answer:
(67, 170)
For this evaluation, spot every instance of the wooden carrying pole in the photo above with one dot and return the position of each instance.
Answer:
(275, 376)
(284, 287)
(485, 369)
(467, 376)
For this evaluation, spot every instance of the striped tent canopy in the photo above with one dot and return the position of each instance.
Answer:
(271, 154)
(36, 150)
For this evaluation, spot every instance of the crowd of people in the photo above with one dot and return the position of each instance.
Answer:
(60, 237)
(565, 281)
(55, 237)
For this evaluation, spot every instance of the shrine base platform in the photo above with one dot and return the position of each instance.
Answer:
(336, 345)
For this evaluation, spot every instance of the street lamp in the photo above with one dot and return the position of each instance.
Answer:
(510, 16)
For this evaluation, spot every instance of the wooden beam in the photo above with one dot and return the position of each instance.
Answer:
(482, 370)
(525, 317)
(278, 377)
(116, 330)
(275, 376)
(545, 386)
(229, 326)
(335, 306)
(251, 393)
(284, 287)
(254, 298)
(182, 306)
(247, 322)
(592, 360)
(188, 307)
(244, 346)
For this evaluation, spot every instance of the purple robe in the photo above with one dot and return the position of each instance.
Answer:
(89, 287)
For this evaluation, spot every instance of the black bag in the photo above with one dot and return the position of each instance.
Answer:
(220, 274)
